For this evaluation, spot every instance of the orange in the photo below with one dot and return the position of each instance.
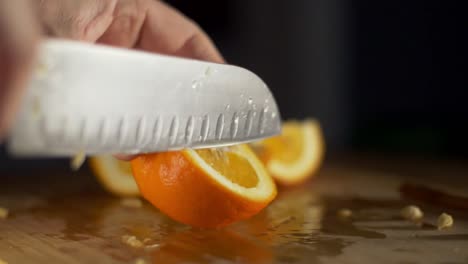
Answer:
(205, 188)
(114, 175)
(296, 154)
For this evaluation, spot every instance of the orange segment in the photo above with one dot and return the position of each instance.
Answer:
(114, 175)
(205, 188)
(232, 166)
(296, 154)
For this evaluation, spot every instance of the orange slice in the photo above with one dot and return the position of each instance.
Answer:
(296, 154)
(114, 175)
(205, 188)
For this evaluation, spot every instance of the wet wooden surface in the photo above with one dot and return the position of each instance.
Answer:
(58, 216)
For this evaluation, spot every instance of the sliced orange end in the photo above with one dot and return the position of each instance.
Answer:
(205, 188)
(296, 154)
(114, 175)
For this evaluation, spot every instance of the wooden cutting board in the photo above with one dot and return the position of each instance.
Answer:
(57, 216)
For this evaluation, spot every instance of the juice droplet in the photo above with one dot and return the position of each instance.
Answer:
(207, 71)
(219, 154)
(195, 84)
(273, 114)
(227, 107)
(226, 159)
(250, 100)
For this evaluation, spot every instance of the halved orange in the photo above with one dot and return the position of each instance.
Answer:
(114, 175)
(296, 154)
(205, 188)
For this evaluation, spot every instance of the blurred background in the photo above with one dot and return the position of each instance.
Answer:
(383, 77)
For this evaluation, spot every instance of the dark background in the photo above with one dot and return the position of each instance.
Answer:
(381, 76)
(386, 77)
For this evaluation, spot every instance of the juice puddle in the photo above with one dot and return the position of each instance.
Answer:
(298, 225)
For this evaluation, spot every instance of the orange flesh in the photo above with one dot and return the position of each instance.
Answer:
(232, 166)
(288, 146)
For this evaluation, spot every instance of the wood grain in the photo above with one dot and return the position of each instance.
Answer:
(57, 216)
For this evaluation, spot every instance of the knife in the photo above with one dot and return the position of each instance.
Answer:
(98, 99)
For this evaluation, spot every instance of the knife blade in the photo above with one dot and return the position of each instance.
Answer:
(100, 99)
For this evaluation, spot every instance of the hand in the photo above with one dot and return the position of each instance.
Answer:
(148, 25)
(141, 24)
(19, 35)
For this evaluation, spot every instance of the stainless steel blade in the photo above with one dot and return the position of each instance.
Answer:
(99, 99)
